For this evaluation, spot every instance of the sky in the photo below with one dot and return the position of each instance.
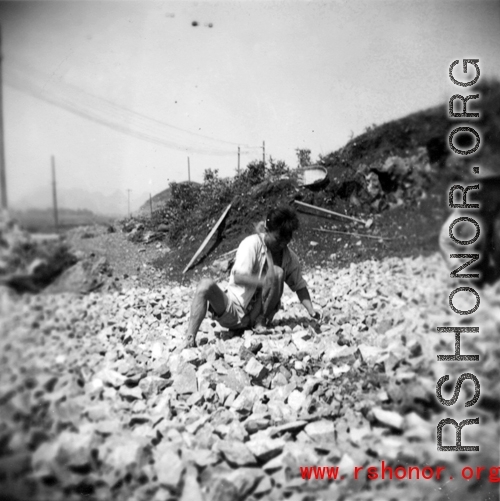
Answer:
(122, 93)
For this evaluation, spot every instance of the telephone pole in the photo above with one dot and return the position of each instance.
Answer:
(238, 159)
(189, 171)
(3, 180)
(151, 205)
(264, 152)
(54, 193)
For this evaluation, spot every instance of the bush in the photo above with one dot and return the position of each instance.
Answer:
(215, 191)
(194, 206)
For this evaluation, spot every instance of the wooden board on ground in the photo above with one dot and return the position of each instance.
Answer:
(209, 236)
(337, 232)
(326, 211)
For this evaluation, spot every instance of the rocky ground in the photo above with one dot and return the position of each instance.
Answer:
(97, 401)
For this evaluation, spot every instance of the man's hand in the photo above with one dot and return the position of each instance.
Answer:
(316, 315)
(305, 299)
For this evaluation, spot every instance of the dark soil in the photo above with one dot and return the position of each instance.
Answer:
(408, 230)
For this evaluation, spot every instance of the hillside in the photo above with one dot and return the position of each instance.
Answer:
(396, 173)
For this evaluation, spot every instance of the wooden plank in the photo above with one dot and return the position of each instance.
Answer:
(331, 212)
(356, 234)
(209, 236)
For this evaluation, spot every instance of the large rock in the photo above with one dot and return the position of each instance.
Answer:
(265, 448)
(80, 278)
(236, 485)
(191, 490)
(370, 354)
(169, 468)
(388, 418)
(75, 449)
(321, 431)
(336, 353)
(124, 454)
(296, 399)
(128, 393)
(111, 377)
(245, 401)
(236, 453)
(255, 369)
(185, 379)
(44, 460)
(152, 385)
(236, 379)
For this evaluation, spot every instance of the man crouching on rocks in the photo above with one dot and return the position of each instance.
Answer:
(263, 263)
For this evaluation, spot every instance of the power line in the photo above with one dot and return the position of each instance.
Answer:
(63, 88)
(121, 119)
(120, 127)
(124, 129)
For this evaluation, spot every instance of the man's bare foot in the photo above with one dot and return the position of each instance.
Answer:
(260, 326)
(190, 342)
(261, 329)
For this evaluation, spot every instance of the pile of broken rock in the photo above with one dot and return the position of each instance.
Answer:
(98, 401)
(29, 262)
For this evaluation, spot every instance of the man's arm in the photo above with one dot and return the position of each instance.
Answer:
(246, 267)
(305, 299)
(243, 272)
(249, 280)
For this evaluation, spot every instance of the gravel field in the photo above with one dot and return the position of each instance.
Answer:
(98, 402)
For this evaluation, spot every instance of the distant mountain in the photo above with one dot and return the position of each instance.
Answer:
(115, 204)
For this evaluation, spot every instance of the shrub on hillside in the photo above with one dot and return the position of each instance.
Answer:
(192, 205)
(214, 190)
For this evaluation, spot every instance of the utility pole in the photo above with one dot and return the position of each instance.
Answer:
(238, 159)
(151, 205)
(54, 193)
(3, 181)
(129, 202)
(264, 152)
(189, 171)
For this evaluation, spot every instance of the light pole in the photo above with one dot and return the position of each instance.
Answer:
(3, 180)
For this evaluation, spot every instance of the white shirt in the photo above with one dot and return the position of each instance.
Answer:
(251, 260)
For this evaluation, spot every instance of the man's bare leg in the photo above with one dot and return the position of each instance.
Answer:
(207, 292)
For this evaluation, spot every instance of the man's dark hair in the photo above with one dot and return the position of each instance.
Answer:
(282, 219)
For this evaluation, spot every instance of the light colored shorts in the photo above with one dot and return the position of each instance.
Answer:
(233, 316)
